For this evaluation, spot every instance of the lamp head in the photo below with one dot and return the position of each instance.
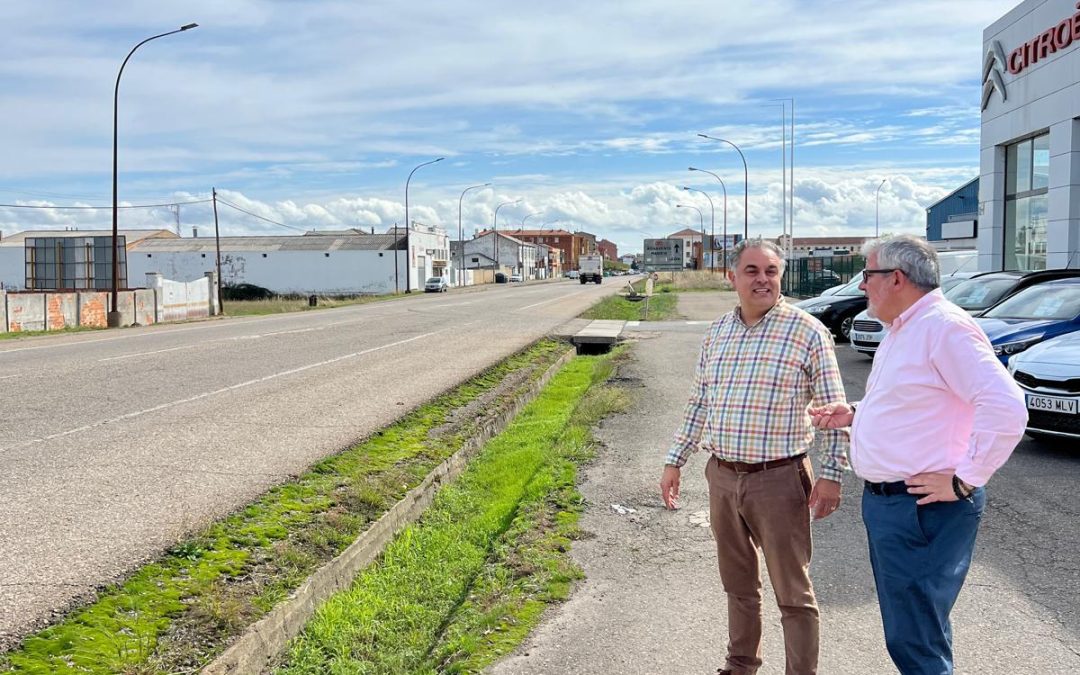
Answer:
(189, 26)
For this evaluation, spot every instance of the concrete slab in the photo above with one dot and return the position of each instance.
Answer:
(601, 332)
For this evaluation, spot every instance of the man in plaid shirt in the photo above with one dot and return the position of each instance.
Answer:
(762, 366)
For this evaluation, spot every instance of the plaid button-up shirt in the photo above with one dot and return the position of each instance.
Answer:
(752, 388)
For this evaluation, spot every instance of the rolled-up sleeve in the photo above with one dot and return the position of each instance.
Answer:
(694, 416)
(828, 387)
(967, 364)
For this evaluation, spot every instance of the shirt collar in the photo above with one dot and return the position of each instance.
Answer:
(921, 305)
(772, 311)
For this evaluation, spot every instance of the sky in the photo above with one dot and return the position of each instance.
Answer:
(313, 114)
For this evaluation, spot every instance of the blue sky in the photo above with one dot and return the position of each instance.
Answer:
(313, 113)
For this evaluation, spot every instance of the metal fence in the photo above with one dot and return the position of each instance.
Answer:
(808, 277)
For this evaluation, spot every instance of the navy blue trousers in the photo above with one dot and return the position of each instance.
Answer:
(920, 556)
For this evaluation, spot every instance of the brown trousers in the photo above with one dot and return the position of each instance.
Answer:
(767, 510)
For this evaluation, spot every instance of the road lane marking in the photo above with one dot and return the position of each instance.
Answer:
(156, 351)
(207, 394)
(561, 297)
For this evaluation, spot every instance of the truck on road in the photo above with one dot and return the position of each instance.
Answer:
(591, 268)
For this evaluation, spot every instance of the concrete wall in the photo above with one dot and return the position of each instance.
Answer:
(342, 272)
(142, 306)
(1044, 96)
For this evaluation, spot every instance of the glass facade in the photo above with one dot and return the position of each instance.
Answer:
(73, 263)
(1027, 181)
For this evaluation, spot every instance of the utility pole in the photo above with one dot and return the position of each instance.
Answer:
(217, 246)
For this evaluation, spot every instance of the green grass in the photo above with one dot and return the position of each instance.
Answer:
(16, 335)
(283, 305)
(174, 615)
(661, 307)
(687, 281)
(466, 584)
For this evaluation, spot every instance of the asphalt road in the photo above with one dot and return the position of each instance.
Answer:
(652, 602)
(115, 445)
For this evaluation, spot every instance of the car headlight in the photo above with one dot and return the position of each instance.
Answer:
(1010, 348)
(819, 309)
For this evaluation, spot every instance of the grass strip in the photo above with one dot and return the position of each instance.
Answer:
(19, 334)
(468, 581)
(174, 615)
(616, 307)
(287, 304)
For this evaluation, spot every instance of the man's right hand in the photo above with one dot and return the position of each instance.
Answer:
(832, 416)
(669, 486)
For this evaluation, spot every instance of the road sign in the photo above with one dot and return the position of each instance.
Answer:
(663, 254)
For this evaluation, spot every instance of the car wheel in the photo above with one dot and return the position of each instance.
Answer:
(844, 329)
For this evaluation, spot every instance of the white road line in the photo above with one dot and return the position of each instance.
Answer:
(8, 377)
(156, 351)
(207, 394)
(561, 297)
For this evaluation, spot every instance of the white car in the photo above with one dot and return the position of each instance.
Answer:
(867, 333)
(436, 285)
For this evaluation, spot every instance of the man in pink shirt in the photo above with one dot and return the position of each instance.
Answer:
(940, 415)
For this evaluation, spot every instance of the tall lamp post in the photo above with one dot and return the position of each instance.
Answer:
(746, 183)
(712, 223)
(408, 251)
(461, 235)
(877, 208)
(495, 233)
(701, 222)
(112, 319)
(724, 187)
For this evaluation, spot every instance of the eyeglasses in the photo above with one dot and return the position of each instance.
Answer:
(866, 273)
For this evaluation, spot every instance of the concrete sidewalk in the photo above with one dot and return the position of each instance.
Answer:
(652, 602)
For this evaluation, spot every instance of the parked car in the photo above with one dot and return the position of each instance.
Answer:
(436, 285)
(867, 332)
(837, 311)
(1032, 315)
(515, 278)
(1049, 374)
(572, 274)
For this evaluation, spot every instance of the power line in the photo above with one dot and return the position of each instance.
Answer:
(98, 208)
(255, 215)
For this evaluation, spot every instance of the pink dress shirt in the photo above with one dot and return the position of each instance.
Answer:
(937, 400)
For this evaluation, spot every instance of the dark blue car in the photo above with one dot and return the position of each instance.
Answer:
(1034, 314)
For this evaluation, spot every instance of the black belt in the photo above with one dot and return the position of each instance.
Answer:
(887, 489)
(754, 467)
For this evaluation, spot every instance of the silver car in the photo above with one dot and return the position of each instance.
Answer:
(1049, 374)
(436, 285)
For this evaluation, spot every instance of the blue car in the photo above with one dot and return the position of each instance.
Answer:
(1034, 314)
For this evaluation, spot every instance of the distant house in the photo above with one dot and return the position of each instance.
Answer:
(608, 249)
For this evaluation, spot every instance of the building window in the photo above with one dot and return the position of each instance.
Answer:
(1027, 181)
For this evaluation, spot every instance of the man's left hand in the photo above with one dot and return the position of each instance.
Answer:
(937, 487)
(824, 498)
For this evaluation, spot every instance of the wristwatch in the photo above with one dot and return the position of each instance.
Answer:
(961, 489)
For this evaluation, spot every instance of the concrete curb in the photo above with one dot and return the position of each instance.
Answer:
(254, 651)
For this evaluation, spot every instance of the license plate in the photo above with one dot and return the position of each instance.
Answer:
(1051, 404)
(864, 337)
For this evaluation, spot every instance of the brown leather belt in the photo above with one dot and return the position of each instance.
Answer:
(754, 467)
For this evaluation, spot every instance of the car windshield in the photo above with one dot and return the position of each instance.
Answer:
(979, 293)
(948, 283)
(434, 280)
(852, 287)
(1040, 303)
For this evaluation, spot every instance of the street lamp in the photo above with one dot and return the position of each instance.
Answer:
(712, 222)
(724, 187)
(746, 183)
(112, 319)
(877, 209)
(408, 251)
(461, 235)
(701, 222)
(495, 233)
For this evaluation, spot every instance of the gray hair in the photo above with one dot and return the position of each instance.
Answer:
(910, 254)
(758, 242)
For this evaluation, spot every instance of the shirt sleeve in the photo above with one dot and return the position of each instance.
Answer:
(696, 412)
(966, 362)
(828, 387)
